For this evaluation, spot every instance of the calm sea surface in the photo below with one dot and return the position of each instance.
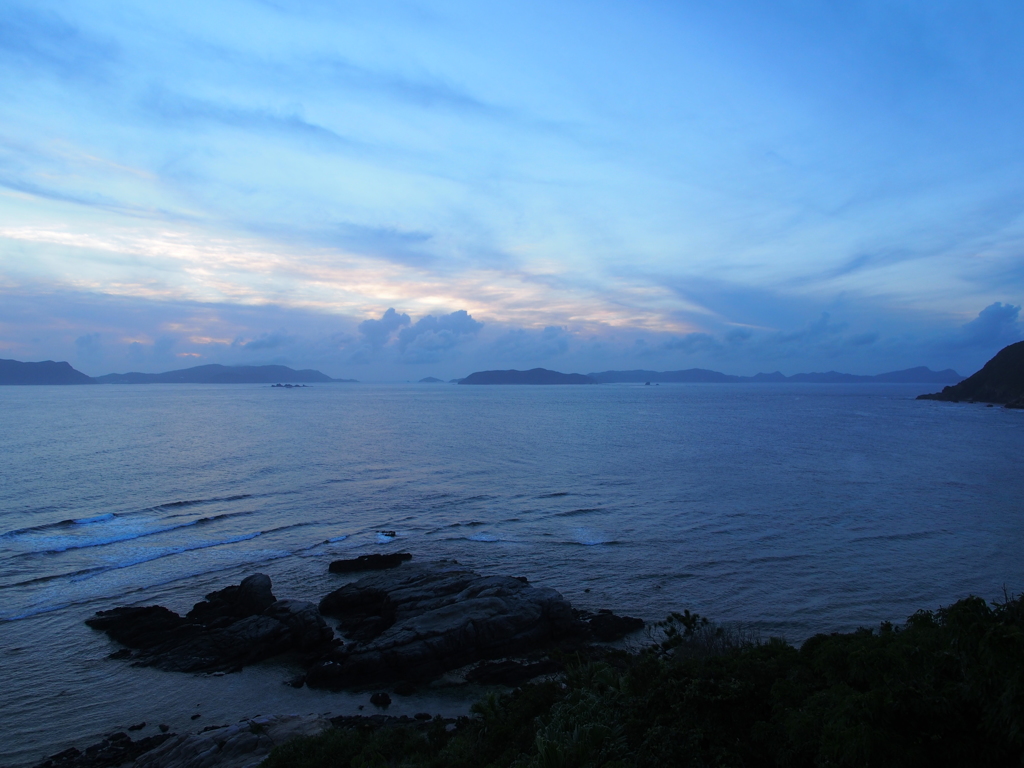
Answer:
(793, 509)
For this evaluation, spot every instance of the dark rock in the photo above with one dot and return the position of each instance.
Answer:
(365, 612)
(232, 746)
(243, 642)
(607, 627)
(419, 622)
(196, 716)
(381, 700)
(114, 750)
(231, 628)
(303, 620)
(251, 597)
(164, 728)
(296, 682)
(512, 673)
(137, 727)
(140, 628)
(370, 562)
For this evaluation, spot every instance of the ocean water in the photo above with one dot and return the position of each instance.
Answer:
(791, 509)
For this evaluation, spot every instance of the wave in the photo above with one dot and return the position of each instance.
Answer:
(61, 524)
(913, 536)
(132, 537)
(575, 512)
(590, 538)
(554, 495)
(194, 502)
(82, 521)
(83, 573)
(39, 610)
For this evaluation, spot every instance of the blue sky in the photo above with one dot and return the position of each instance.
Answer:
(387, 191)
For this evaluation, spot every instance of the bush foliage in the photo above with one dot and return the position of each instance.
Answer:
(946, 688)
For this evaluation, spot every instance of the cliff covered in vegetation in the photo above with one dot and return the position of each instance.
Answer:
(1001, 380)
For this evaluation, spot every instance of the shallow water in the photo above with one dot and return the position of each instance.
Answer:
(790, 508)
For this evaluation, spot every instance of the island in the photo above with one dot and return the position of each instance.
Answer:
(46, 372)
(430, 380)
(221, 374)
(918, 375)
(1001, 381)
(532, 376)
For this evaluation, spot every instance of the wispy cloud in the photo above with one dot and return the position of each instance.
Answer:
(44, 40)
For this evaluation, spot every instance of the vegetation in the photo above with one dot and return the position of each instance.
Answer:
(946, 688)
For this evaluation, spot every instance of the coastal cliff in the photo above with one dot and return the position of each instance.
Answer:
(1001, 380)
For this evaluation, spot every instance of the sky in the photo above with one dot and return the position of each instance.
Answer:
(392, 190)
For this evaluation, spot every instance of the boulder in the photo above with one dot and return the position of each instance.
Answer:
(231, 628)
(142, 627)
(370, 562)
(417, 623)
(251, 597)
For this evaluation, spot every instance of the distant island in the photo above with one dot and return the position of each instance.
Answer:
(49, 372)
(920, 375)
(221, 374)
(1001, 380)
(533, 376)
(46, 372)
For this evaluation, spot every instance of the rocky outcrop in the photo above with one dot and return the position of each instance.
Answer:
(370, 563)
(402, 627)
(606, 627)
(1001, 380)
(419, 622)
(116, 749)
(232, 746)
(232, 628)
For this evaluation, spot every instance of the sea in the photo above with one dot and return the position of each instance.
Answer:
(785, 509)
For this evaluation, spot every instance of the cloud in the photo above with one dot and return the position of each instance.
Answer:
(995, 324)
(424, 92)
(863, 339)
(692, 343)
(377, 332)
(88, 346)
(46, 41)
(737, 336)
(396, 245)
(172, 107)
(273, 340)
(431, 337)
(520, 344)
(819, 329)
